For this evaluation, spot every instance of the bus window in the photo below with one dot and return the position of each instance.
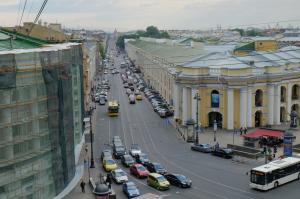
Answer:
(258, 178)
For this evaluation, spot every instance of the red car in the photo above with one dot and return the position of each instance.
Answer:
(139, 170)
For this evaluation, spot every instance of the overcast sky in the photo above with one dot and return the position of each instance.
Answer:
(165, 14)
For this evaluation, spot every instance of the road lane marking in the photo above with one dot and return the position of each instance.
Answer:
(194, 174)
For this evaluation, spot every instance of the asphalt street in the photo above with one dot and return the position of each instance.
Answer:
(212, 177)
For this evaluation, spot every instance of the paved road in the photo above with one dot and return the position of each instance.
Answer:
(213, 177)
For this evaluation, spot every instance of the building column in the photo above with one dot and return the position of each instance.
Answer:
(194, 104)
(277, 105)
(243, 106)
(185, 101)
(176, 100)
(230, 109)
(249, 108)
(270, 104)
(289, 101)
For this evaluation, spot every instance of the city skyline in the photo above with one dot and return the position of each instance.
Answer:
(165, 14)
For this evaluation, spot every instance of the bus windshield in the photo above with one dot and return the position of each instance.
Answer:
(258, 177)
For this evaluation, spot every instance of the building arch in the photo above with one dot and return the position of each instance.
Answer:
(215, 99)
(215, 116)
(295, 92)
(258, 118)
(282, 94)
(258, 98)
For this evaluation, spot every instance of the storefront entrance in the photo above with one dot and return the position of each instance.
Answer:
(215, 116)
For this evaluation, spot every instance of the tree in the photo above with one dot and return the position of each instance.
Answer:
(102, 51)
(164, 34)
(152, 31)
(120, 41)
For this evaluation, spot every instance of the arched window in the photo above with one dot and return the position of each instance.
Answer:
(215, 99)
(283, 94)
(258, 98)
(295, 92)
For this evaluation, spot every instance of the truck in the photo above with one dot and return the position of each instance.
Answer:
(131, 99)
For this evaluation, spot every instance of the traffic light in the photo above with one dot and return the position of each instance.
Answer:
(275, 149)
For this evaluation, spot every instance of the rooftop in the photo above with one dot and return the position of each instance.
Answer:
(172, 53)
(277, 164)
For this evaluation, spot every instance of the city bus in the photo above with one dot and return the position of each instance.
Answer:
(275, 173)
(113, 108)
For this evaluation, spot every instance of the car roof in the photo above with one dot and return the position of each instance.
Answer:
(130, 183)
(155, 175)
(118, 170)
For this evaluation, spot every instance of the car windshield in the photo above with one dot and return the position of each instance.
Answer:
(110, 162)
(120, 149)
(120, 173)
(228, 150)
(141, 168)
(135, 147)
(258, 177)
(160, 179)
(206, 146)
(158, 166)
(131, 187)
(181, 177)
(144, 157)
(128, 159)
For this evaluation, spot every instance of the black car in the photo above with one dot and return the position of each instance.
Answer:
(127, 160)
(222, 152)
(178, 180)
(119, 152)
(142, 158)
(155, 167)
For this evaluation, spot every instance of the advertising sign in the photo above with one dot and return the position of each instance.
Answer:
(288, 146)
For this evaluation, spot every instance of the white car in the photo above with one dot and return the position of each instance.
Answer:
(135, 150)
(119, 176)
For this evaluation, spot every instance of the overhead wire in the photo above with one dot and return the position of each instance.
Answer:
(19, 9)
(38, 15)
(24, 7)
(30, 9)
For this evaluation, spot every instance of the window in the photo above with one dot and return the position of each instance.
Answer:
(282, 94)
(295, 92)
(258, 98)
(215, 99)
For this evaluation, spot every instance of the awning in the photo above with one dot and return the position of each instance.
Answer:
(264, 132)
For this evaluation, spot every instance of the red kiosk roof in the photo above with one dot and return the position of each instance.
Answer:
(264, 132)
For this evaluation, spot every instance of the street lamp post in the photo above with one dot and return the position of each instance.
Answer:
(197, 97)
(92, 151)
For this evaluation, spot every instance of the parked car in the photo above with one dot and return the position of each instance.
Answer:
(106, 153)
(158, 181)
(135, 150)
(139, 170)
(102, 101)
(127, 160)
(119, 151)
(178, 180)
(139, 97)
(130, 190)
(142, 158)
(155, 167)
(119, 176)
(109, 164)
(222, 152)
(206, 148)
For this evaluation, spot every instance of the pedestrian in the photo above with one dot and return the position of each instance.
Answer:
(245, 130)
(86, 149)
(241, 130)
(82, 185)
(108, 180)
(217, 145)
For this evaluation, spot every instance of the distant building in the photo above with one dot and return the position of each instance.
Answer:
(258, 86)
(40, 115)
(51, 32)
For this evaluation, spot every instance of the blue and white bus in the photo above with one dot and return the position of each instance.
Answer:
(275, 173)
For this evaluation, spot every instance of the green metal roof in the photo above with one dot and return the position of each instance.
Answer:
(246, 47)
(19, 41)
(173, 54)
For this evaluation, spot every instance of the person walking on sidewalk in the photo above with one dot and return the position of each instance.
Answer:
(82, 185)
(241, 131)
(108, 180)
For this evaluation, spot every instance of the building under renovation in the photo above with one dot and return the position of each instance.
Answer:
(40, 115)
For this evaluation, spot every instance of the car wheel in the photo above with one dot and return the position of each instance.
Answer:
(276, 184)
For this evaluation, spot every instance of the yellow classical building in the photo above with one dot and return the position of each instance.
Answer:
(258, 88)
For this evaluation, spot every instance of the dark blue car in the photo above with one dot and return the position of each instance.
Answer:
(130, 189)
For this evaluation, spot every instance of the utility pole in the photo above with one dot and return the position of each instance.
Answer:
(92, 151)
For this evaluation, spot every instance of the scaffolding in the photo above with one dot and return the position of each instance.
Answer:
(40, 119)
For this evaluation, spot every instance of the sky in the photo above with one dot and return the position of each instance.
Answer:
(125, 15)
